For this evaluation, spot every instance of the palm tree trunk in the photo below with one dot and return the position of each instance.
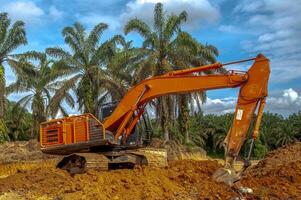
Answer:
(38, 115)
(164, 117)
(183, 117)
(2, 91)
(165, 103)
(34, 129)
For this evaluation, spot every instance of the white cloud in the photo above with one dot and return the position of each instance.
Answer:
(251, 6)
(219, 106)
(54, 13)
(199, 11)
(27, 11)
(31, 13)
(229, 29)
(277, 24)
(291, 95)
(284, 102)
(287, 103)
(93, 19)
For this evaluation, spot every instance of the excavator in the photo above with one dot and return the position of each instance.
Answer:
(88, 143)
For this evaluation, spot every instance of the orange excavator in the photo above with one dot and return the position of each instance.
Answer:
(88, 143)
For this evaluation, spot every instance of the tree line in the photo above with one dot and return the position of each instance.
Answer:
(209, 132)
(92, 71)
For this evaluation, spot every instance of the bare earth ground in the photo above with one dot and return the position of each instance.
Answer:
(276, 177)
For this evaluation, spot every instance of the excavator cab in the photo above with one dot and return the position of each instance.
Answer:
(141, 134)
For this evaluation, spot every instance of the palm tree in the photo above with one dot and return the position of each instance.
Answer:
(11, 37)
(159, 44)
(18, 121)
(118, 74)
(287, 135)
(198, 135)
(191, 57)
(37, 78)
(166, 48)
(84, 65)
(295, 120)
(269, 128)
(223, 123)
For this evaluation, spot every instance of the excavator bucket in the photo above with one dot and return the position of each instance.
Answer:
(226, 175)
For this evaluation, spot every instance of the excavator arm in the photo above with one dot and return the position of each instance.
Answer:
(253, 90)
(253, 86)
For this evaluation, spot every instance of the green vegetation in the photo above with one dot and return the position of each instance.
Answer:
(92, 71)
(209, 131)
(18, 123)
(11, 37)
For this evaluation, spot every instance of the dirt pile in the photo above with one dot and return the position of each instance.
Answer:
(277, 176)
(21, 151)
(176, 151)
(182, 180)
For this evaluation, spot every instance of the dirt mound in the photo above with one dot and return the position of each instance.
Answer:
(21, 151)
(277, 176)
(182, 180)
(279, 157)
(176, 151)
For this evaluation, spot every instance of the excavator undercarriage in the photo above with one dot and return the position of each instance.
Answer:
(79, 163)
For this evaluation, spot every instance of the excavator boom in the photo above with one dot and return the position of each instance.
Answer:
(253, 90)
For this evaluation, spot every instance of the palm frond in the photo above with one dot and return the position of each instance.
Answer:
(17, 87)
(94, 35)
(15, 37)
(69, 100)
(173, 24)
(185, 40)
(4, 24)
(63, 110)
(34, 55)
(61, 69)
(24, 102)
(22, 69)
(61, 93)
(159, 18)
(60, 53)
(139, 26)
(74, 39)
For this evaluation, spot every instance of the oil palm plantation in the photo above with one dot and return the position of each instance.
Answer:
(11, 37)
(84, 65)
(167, 48)
(37, 79)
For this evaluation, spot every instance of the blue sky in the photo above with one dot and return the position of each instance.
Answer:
(238, 28)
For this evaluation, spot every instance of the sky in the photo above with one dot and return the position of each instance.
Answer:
(238, 28)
